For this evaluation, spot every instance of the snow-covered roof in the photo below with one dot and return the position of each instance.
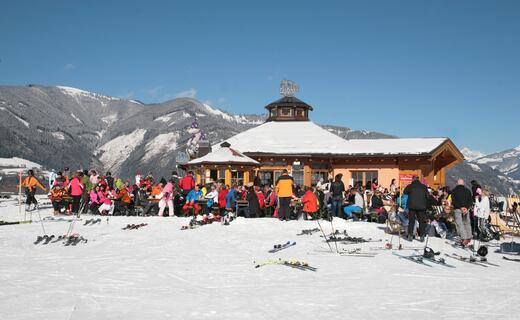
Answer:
(224, 155)
(307, 138)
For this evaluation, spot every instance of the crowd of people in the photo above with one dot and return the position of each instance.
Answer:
(417, 209)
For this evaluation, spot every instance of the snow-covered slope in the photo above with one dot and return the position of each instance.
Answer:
(162, 272)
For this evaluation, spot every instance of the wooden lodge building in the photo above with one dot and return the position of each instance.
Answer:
(289, 140)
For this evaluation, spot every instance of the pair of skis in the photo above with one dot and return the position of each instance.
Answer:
(134, 226)
(511, 259)
(92, 222)
(295, 264)
(279, 247)
(308, 232)
(8, 223)
(71, 240)
(43, 239)
(350, 240)
(74, 240)
(351, 253)
(480, 261)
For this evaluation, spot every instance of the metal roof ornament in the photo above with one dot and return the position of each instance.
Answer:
(288, 88)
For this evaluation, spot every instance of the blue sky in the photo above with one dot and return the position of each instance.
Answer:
(409, 68)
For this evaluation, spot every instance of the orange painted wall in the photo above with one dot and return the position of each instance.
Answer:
(385, 173)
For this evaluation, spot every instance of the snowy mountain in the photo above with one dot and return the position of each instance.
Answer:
(498, 172)
(63, 126)
(471, 155)
(507, 162)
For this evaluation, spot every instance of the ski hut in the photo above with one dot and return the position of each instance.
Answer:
(290, 140)
(226, 164)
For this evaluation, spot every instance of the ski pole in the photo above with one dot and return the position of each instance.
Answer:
(333, 232)
(323, 232)
(41, 221)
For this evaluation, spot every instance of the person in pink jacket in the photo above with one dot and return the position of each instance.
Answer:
(94, 198)
(106, 204)
(166, 199)
(76, 190)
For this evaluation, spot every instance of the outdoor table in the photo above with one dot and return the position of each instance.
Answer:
(241, 204)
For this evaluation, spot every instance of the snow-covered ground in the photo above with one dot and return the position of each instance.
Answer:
(162, 272)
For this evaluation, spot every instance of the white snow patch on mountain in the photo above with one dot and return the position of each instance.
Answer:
(173, 116)
(509, 168)
(77, 93)
(226, 116)
(117, 150)
(110, 119)
(14, 165)
(200, 115)
(475, 167)
(471, 154)
(161, 145)
(136, 102)
(3, 108)
(25, 123)
(16, 162)
(58, 135)
(76, 118)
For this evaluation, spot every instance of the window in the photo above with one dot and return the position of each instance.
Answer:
(299, 112)
(237, 177)
(363, 178)
(213, 175)
(273, 113)
(316, 175)
(298, 177)
(286, 112)
(266, 177)
(277, 175)
(222, 175)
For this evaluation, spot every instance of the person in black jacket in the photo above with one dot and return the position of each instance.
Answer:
(336, 189)
(416, 204)
(110, 180)
(253, 202)
(462, 201)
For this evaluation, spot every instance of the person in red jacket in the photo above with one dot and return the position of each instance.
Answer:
(222, 199)
(187, 184)
(310, 203)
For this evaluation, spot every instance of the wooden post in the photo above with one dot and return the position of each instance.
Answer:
(246, 177)
(307, 175)
(227, 176)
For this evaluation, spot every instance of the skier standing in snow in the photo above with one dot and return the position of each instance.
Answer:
(76, 188)
(167, 199)
(417, 202)
(30, 183)
(462, 201)
(284, 190)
